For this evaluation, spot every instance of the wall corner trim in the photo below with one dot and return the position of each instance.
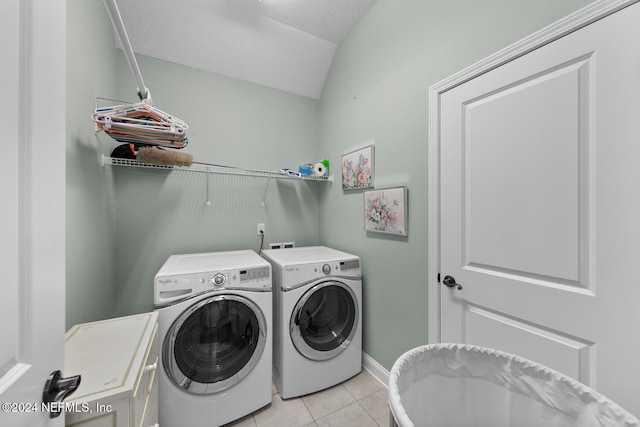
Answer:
(377, 370)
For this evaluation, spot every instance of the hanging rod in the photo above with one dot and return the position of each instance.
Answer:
(121, 34)
(224, 170)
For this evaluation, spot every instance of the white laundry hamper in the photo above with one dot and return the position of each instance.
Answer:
(458, 385)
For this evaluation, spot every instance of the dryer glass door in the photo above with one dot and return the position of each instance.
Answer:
(324, 320)
(214, 344)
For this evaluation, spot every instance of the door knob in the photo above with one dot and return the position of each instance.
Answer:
(56, 389)
(450, 281)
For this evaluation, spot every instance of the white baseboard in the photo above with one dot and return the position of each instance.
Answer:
(377, 370)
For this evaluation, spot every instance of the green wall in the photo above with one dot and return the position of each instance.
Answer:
(230, 123)
(91, 72)
(123, 223)
(377, 90)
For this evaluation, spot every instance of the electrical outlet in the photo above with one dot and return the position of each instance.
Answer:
(289, 245)
(260, 228)
(275, 245)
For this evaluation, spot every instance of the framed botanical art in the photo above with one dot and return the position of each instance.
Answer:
(385, 211)
(357, 169)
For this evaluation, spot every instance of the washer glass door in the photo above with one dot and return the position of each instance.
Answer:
(214, 344)
(324, 320)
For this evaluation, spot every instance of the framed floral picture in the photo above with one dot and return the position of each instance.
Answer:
(357, 169)
(385, 211)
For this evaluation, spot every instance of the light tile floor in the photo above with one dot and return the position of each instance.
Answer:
(358, 402)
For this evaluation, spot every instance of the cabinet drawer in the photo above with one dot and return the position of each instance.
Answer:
(145, 381)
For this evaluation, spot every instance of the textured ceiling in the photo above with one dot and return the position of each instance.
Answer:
(284, 44)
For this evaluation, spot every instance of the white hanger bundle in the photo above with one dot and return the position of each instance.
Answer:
(143, 124)
(138, 123)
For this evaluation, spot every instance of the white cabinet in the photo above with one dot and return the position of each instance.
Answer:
(117, 359)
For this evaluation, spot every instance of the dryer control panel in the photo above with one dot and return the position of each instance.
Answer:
(294, 275)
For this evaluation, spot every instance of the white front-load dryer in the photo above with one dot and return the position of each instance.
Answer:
(317, 295)
(214, 325)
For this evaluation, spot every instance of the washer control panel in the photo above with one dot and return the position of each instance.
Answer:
(349, 265)
(260, 273)
(173, 288)
(228, 279)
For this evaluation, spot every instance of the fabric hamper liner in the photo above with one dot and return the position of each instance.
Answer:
(463, 385)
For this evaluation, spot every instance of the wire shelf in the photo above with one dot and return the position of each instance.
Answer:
(203, 168)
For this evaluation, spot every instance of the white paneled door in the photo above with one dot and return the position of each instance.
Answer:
(32, 260)
(539, 204)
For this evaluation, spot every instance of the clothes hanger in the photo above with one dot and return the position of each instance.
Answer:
(138, 123)
(141, 123)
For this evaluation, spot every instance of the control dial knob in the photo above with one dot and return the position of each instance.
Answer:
(219, 279)
(326, 269)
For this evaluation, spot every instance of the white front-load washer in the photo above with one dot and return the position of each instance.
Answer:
(214, 325)
(317, 339)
